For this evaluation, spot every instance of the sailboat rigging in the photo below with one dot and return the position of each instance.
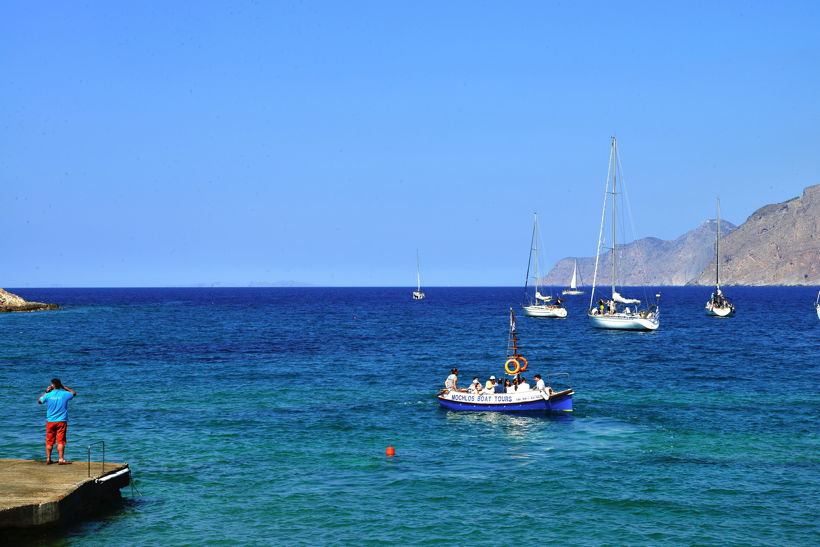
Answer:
(718, 305)
(539, 305)
(617, 312)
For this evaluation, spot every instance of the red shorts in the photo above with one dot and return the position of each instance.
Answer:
(56, 430)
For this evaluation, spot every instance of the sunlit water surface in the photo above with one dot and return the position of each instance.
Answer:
(261, 416)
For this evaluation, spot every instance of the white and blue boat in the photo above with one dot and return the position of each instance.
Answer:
(530, 400)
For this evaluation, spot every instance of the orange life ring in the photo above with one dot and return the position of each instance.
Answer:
(525, 365)
(507, 366)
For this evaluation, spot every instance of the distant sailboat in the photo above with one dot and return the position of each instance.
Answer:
(817, 305)
(417, 294)
(718, 305)
(539, 305)
(616, 313)
(573, 283)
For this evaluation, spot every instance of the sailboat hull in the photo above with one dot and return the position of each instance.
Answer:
(418, 295)
(719, 311)
(623, 321)
(818, 312)
(545, 311)
(571, 292)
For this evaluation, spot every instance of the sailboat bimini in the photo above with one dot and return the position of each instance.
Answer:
(617, 312)
(539, 305)
(573, 283)
(718, 305)
(417, 294)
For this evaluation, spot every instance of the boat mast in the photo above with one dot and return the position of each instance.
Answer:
(717, 249)
(418, 273)
(600, 233)
(614, 182)
(533, 247)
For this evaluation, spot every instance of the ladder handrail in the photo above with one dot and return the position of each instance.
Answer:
(103, 456)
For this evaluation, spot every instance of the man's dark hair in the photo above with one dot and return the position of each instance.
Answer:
(57, 383)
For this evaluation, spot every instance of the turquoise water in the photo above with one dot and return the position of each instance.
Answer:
(261, 416)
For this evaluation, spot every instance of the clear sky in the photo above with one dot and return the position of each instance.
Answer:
(174, 143)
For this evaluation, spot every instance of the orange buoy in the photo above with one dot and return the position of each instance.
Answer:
(390, 451)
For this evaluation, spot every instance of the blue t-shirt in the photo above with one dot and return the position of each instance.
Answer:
(56, 401)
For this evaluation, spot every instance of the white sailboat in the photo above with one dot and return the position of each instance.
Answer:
(718, 305)
(539, 305)
(417, 294)
(817, 305)
(573, 283)
(617, 312)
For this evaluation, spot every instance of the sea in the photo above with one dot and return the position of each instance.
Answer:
(261, 416)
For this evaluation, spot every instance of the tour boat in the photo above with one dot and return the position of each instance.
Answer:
(718, 305)
(417, 294)
(531, 400)
(573, 283)
(539, 305)
(617, 312)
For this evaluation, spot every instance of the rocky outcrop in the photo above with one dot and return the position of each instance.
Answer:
(778, 244)
(11, 302)
(648, 261)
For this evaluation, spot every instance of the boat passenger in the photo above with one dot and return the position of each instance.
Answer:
(499, 387)
(475, 387)
(451, 382)
(523, 385)
(514, 386)
(541, 386)
(490, 383)
(508, 387)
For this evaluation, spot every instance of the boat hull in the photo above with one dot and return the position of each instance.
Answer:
(623, 321)
(527, 401)
(545, 311)
(571, 292)
(818, 312)
(719, 311)
(418, 295)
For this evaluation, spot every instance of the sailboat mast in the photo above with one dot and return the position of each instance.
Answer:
(418, 273)
(717, 248)
(529, 259)
(535, 250)
(614, 182)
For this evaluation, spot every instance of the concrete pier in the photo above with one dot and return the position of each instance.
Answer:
(35, 494)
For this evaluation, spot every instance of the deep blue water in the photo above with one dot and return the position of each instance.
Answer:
(261, 416)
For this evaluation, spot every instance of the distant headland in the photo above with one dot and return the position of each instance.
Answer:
(779, 244)
(11, 302)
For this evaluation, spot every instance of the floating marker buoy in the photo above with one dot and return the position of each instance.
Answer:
(390, 451)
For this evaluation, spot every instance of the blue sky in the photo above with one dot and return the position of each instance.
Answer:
(189, 142)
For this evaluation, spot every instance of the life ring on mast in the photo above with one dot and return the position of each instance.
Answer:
(525, 365)
(517, 366)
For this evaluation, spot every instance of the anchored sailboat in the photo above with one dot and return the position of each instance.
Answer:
(539, 305)
(817, 305)
(573, 283)
(718, 305)
(417, 294)
(618, 312)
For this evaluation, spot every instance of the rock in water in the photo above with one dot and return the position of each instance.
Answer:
(11, 302)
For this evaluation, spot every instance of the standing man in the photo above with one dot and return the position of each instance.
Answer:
(56, 398)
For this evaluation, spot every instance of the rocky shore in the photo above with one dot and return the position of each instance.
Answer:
(11, 302)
